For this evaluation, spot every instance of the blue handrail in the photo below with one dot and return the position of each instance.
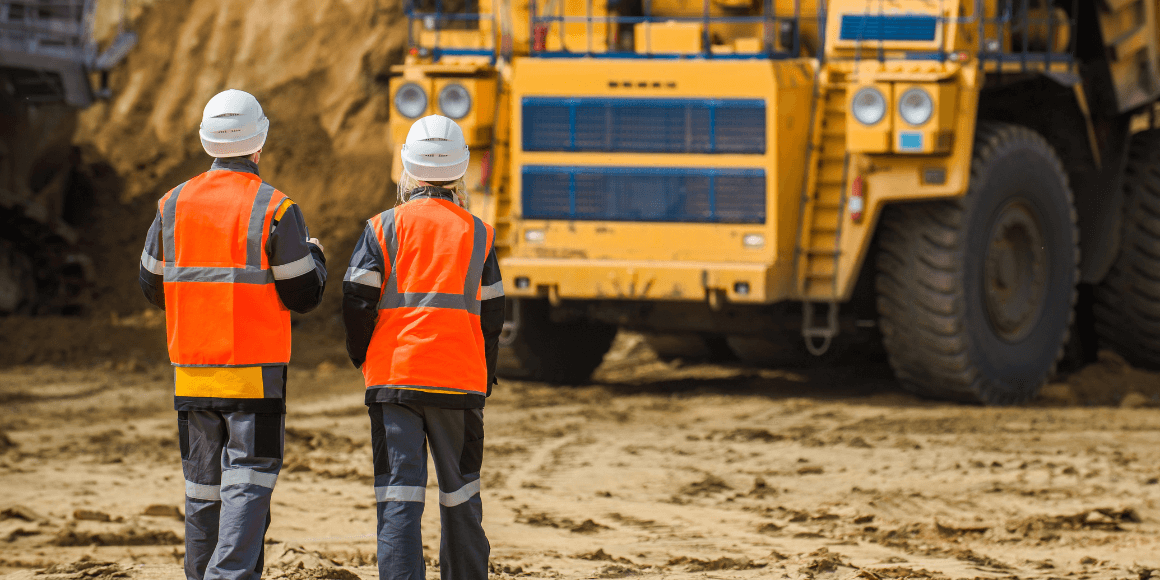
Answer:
(870, 30)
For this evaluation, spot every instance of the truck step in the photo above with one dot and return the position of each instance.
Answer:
(823, 251)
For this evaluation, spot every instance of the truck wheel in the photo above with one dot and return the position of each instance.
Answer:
(976, 295)
(1127, 307)
(554, 352)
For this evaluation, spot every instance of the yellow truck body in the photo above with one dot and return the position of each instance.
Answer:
(713, 160)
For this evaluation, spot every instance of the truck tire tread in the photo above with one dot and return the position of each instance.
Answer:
(921, 252)
(1127, 307)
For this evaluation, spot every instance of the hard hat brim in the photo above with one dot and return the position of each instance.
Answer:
(239, 148)
(437, 173)
(234, 148)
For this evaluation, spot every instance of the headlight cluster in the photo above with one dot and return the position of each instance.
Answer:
(915, 106)
(411, 100)
(869, 106)
(454, 101)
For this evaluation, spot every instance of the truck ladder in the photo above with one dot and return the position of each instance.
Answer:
(824, 197)
(500, 177)
(820, 219)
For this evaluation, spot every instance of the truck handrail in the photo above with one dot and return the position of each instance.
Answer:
(539, 24)
(1013, 26)
(434, 19)
(59, 28)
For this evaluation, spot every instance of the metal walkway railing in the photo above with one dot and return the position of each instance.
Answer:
(433, 21)
(780, 35)
(56, 28)
(47, 50)
(1025, 32)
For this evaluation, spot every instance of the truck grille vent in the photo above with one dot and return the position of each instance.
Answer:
(644, 194)
(911, 27)
(631, 125)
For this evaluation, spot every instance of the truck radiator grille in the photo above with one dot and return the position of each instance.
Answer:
(644, 194)
(910, 27)
(643, 125)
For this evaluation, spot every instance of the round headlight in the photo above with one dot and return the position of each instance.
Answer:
(868, 106)
(411, 100)
(455, 101)
(915, 106)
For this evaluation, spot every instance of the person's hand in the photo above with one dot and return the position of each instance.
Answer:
(317, 243)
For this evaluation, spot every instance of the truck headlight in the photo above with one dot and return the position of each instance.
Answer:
(868, 106)
(455, 101)
(915, 106)
(411, 100)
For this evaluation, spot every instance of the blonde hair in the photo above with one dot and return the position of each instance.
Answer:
(409, 183)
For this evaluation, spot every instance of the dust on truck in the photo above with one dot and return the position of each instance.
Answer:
(777, 175)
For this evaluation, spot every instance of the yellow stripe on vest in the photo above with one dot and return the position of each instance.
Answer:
(286, 203)
(222, 383)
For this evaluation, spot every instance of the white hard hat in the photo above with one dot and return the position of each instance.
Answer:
(435, 150)
(233, 125)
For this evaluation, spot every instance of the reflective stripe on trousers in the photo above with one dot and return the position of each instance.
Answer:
(455, 437)
(418, 494)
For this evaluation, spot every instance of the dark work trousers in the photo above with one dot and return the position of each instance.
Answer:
(399, 438)
(231, 462)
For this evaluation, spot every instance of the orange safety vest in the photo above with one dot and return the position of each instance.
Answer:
(427, 336)
(221, 307)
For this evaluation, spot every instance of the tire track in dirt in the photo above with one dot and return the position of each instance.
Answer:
(647, 481)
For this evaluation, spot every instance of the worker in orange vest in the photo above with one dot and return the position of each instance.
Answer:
(228, 257)
(423, 305)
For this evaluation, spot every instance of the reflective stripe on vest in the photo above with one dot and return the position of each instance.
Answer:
(253, 273)
(427, 336)
(222, 308)
(468, 301)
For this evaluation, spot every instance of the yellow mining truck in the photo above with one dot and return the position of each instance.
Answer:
(954, 176)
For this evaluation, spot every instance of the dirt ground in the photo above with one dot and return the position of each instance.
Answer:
(656, 470)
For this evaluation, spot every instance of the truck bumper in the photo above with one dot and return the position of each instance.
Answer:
(570, 279)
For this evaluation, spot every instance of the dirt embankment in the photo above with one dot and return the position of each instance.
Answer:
(318, 67)
(320, 70)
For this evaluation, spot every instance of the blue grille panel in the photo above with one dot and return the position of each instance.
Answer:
(644, 194)
(644, 125)
(883, 27)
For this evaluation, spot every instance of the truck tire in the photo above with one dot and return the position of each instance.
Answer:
(1127, 307)
(976, 295)
(563, 353)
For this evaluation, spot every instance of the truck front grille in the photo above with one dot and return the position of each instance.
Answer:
(644, 194)
(906, 27)
(635, 125)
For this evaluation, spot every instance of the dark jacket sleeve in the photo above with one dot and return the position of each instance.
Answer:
(152, 271)
(491, 313)
(299, 267)
(361, 288)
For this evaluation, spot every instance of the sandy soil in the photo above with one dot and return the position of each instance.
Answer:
(657, 470)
